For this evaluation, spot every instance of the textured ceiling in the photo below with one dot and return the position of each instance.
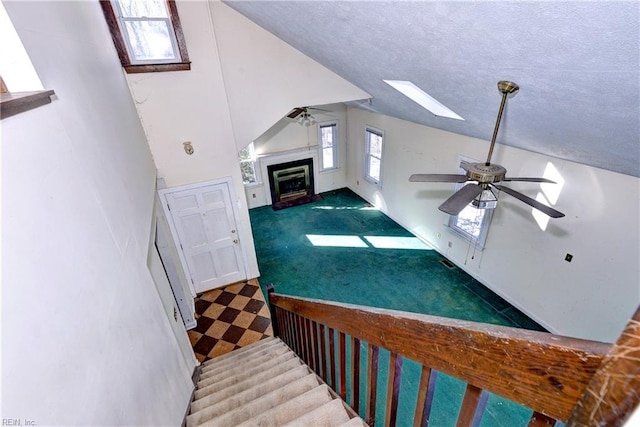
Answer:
(577, 65)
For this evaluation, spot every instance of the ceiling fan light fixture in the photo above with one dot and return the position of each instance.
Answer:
(306, 119)
(486, 200)
(422, 98)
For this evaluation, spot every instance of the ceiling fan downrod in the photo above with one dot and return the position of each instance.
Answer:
(507, 88)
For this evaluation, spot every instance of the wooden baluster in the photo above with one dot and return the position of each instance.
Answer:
(303, 339)
(309, 342)
(284, 327)
(332, 358)
(355, 373)
(323, 353)
(541, 420)
(316, 362)
(273, 311)
(287, 321)
(343, 365)
(296, 332)
(372, 383)
(393, 389)
(482, 405)
(423, 407)
(292, 337)
(280, 333)
(300, 330)
(469, 405)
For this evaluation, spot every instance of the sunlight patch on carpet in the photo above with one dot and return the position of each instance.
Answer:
(394, 242)
(336, 241)
(378, 242)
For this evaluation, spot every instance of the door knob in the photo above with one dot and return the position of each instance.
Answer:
(235, 241)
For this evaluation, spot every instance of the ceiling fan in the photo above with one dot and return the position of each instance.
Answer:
(302, 115)
(303, 110)
(486, 175)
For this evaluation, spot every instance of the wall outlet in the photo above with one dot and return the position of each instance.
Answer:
(450, 244)
(438, 235)
(175, 314)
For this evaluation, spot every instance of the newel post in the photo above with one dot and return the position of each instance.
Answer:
(272, 310)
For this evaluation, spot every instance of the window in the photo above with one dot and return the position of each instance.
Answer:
(328, 139)
(472, 222)
(147, 35)
(373, 161)
(248, 165)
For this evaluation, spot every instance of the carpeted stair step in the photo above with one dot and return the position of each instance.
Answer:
(257, 352)
(331, 414)
(291, 409)
(236, 353)
(264, 384)
(245, 370)
(248, 351)
(263, 403)
(243, 385)
(219, 372)
(259, 390)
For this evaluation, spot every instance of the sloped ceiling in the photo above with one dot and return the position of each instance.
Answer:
(577, 65)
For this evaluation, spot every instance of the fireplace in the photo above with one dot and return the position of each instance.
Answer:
(291, 182)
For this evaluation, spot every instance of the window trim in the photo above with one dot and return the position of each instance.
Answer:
(367, 176)
(121, 46)
(335, 145)
(478, 242)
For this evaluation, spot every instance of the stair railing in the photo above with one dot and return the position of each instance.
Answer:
(544, 372)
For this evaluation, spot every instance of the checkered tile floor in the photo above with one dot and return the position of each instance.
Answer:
(229, 318)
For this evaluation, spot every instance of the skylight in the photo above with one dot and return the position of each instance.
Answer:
(425, 100)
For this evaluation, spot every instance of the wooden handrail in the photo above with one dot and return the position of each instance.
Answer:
(545, 372)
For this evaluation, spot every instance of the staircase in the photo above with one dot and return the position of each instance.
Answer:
(265, 384)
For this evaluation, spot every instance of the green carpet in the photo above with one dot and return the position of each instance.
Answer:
(342, 249)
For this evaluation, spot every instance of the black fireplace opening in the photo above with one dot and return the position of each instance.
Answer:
(291, 181)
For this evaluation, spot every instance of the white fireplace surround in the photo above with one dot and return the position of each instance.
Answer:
(265, 160)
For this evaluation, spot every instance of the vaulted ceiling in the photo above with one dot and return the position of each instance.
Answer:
(577, 64)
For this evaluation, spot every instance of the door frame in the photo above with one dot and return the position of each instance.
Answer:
(174, 233)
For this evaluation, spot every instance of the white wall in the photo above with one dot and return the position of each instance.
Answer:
(85, 338)
(238, 86)
(192, 106)
(591, 297)
(266, 78)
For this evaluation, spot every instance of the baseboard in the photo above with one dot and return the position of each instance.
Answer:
(195, 377)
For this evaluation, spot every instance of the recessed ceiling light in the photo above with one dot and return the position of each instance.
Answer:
(419, 96)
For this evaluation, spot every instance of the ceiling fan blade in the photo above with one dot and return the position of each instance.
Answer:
(545, 180)
(460, 199)
(437, 177)
(295, 113)
(531, 202)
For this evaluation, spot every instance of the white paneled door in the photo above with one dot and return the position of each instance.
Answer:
(205, 224)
